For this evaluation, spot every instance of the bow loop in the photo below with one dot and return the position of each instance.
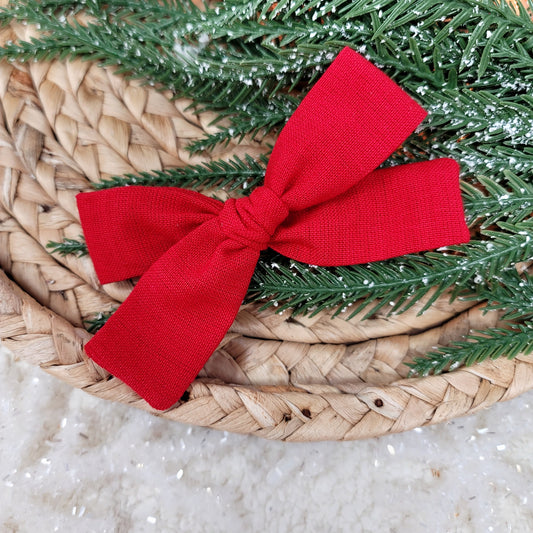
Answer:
(252, 221)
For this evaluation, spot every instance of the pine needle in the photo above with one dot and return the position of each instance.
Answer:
(74, 247)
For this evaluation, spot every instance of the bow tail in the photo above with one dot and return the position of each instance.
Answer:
(161, 336)
(391, 212)
(128, 228)
(351, 121)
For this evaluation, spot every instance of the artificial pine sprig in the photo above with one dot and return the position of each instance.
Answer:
(490, 343)
(398, 282)
(510, 199)
(236, 173)
(452, 55)
(511, 292)
(255, 121)
(69, 247)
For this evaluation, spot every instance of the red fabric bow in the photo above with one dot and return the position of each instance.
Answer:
(322, 203)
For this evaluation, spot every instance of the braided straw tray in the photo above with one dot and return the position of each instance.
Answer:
(64, 125)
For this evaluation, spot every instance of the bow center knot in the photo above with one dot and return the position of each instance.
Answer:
(253, 220)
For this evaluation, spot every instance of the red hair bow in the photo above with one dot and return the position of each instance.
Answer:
(322, 203)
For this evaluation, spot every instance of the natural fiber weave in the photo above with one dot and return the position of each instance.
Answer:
(277, 376)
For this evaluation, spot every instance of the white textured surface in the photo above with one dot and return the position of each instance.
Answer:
(74, 463)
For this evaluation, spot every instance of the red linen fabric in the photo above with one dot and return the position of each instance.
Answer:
(322, 203)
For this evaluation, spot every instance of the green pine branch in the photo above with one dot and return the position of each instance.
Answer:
(452, 55)
(511, 199)
(236, 173)
(398, 282)
(490, 343)
(256, 121)
(69, 247)
(511, 292)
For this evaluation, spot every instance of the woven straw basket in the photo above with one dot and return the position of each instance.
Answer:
(67, 124)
